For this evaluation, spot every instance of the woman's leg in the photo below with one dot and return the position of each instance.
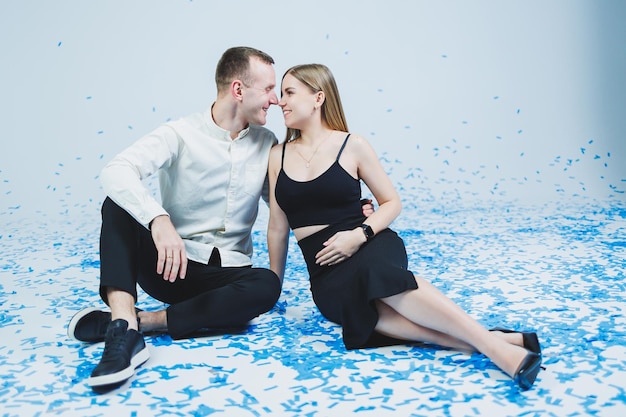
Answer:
(428, 308)
(391, 323)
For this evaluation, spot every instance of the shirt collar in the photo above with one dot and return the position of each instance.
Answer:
(218, 132)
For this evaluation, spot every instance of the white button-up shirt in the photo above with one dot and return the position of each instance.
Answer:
(209, 183)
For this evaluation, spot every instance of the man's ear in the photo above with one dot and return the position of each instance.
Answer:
(235, 89)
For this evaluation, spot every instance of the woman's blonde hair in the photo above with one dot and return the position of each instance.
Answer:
(317, 77)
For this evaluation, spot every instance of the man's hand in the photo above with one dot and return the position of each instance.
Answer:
(367, 207)
(172, 257)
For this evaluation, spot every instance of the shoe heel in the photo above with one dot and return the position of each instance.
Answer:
(527, 372)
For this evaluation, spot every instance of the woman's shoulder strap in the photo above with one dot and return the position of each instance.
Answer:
(343, 146)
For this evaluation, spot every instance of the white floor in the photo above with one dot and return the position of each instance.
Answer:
(555, 268)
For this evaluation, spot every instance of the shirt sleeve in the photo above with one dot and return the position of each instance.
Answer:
(122, 178)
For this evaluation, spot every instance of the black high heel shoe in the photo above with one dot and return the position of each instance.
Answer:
(531, 341)
(527, 371)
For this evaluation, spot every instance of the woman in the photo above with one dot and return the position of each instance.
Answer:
(357, 266)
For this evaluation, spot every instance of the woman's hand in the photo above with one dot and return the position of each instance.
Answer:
(340, 247)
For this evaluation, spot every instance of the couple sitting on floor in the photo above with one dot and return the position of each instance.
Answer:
(193, 249)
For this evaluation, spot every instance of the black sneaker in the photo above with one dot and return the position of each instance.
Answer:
(90, 325)
(124, 350)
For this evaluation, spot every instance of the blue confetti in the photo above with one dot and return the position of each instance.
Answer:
(557, 268)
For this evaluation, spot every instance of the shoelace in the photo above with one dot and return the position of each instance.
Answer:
(115, 343)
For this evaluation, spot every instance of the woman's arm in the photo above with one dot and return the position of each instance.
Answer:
(374, 176)
(278, 226)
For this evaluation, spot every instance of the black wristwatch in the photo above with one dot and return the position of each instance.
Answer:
(367, 229)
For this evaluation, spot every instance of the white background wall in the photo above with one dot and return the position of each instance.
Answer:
(475, 99)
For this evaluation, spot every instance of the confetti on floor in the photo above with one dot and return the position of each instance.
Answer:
(557, 268)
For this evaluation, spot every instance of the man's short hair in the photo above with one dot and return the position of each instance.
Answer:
(235, 64)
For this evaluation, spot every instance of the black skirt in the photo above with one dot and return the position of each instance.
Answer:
(345, 293)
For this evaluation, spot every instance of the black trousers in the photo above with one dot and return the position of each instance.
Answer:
(210, 297)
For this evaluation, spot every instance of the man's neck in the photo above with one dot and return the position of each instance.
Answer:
(225, 116)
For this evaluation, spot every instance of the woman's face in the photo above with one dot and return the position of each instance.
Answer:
(297, 101)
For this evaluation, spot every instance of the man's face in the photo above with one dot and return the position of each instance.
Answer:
(258, 97)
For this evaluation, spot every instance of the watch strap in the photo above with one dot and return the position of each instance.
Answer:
(367, 230)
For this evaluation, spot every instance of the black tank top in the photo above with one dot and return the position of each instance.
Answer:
(333, 197)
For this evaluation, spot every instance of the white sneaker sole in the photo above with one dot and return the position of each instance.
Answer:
(139, 359)
(71, 327)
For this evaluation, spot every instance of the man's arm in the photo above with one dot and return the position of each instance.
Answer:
(122, 177)
(122, 180)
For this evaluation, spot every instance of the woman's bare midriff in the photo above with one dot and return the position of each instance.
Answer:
(305, 231)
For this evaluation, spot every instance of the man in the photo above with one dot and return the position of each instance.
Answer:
(193, 250)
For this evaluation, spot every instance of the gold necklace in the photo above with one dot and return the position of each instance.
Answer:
(308, 161)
